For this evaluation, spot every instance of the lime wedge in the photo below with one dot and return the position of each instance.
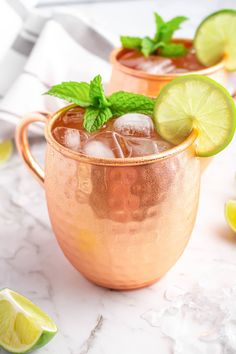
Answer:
(215, 39)
(6, 149)
(230, 214)
(195, 101)
(23, 325)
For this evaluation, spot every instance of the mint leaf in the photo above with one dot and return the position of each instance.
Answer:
(163, 35)
(97, 94)
(168, 29)
(148, 46)
(159, 23)
(95, 118)
(76, 92)
(173, 50)
(126, 102)
(131, 42)
(175, 22)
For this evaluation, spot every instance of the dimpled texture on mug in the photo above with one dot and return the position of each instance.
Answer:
(122, 227)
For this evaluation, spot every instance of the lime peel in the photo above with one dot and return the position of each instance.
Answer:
(230, 214)
(6, 150)
(23, 325)
(195, 101)
(215, 39)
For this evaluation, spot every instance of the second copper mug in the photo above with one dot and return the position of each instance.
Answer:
(123, 223)
(128, 79)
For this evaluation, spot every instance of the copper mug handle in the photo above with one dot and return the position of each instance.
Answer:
(22, 143)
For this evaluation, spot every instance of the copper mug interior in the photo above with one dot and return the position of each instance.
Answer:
(123, 223)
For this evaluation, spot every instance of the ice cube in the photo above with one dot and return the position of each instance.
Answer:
(229, 340)
(173, 293)
(98, 149)
(157, 65)
(131, 59)
(107, 144)
(162, 145)
(70, 138)
(153, 317)
(73, 118)
(144, 147)
(203, 322)
(134, 124)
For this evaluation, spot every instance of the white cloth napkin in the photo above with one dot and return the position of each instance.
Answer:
(44, 51)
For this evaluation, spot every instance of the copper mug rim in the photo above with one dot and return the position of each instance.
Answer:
(142, 74)
(131, 161)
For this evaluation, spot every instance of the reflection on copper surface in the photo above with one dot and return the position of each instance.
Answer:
(122, 223)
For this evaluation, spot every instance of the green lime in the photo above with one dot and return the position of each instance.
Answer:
(230, 214)
(23, 325)
(215, 39)
(6, 149)
(195, 101)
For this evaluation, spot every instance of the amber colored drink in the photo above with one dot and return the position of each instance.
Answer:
(158, 65)
(132, 72)
(131, 135)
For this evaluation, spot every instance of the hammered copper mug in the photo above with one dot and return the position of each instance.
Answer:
(123, 223)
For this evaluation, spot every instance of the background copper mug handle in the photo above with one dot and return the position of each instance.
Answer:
(22, 143)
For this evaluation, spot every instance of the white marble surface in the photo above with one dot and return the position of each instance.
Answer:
(99, 321)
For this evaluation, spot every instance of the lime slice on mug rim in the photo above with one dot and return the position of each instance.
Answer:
(215, 39)
(195, 101)
(23, 325)
(230, 214)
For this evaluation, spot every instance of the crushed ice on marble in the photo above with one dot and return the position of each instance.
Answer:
(173, 292)
(201, 320)
(153, 317)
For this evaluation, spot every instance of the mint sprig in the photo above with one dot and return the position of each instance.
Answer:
(99, 108)
(161, 42)
(96, 93)
(75, 92)
(131, 42)
(95, 118)
(127, 102)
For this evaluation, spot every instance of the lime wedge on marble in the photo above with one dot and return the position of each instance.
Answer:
(195, 101)
(23, 325)
(215, 39)
(230, 214)
(6, 149)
